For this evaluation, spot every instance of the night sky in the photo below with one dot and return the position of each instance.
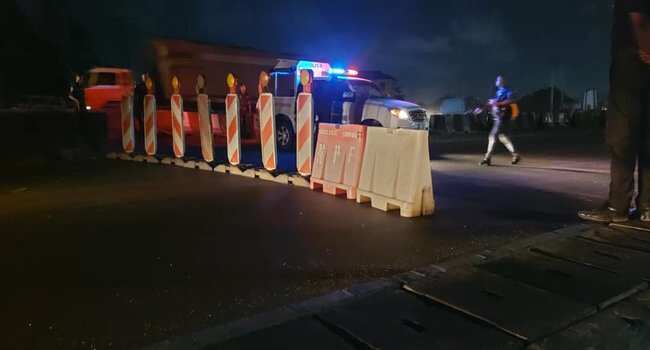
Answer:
(434, 48)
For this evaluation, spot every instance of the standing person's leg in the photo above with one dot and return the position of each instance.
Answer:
(644, 162)
(624, 129)
(623, 137)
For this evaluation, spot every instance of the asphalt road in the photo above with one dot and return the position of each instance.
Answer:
(111, 254)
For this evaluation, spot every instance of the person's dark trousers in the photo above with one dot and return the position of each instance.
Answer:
(628, 130)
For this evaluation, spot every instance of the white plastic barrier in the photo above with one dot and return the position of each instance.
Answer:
(396, 173)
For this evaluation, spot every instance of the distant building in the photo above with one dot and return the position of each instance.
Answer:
(387, 83)
(590, 100)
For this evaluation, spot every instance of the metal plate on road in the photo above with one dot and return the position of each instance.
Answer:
(300, 334)
(623, 326)
(395, 319)
(519, 308)
(627, 262)
(634, 225)
(574, 281)
(631, 239)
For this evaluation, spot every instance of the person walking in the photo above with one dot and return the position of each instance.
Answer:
(76, 94)
(628, 129)
(499, 106)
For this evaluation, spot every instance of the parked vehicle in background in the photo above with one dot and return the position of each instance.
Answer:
(105, 85)
(340, 96)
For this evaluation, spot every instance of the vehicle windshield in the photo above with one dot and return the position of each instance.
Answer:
(102, 78)
(365, 88)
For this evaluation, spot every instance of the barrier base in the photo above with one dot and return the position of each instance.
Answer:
(268, 176)
(179, 162)
(334, 189)
(190, 164)
(167, 161)
(241, 171)
(422, 207)
(221, 168)
(112, 156)
(299, 181)
(151, 160)
(139, 158)
(125, 156)
(205, 166)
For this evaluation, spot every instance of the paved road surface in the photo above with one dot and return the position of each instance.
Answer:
(118, 255)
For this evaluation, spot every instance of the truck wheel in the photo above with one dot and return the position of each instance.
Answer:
(285, 137)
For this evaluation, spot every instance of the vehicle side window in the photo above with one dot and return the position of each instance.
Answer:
(282, 84)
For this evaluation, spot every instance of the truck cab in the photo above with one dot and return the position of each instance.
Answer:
(106, 85)
(340, 96)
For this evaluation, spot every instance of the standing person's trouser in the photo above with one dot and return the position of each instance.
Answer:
(628, 130)
(500, 128)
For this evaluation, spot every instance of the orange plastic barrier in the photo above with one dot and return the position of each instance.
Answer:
(150, 125)
(128, 135)
(339, 155)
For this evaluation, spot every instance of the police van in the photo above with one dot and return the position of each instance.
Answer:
(340, 96)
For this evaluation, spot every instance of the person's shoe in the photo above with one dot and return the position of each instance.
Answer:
(645, 215)
(516, 158)
(485, 162)
(606, 216)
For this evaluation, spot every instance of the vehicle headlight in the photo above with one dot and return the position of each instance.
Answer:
(399, 113)
(88, 108)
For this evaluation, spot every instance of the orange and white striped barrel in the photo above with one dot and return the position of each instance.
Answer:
(205, 127)
(128, 134)
(232, 123)
(150, 125)
(304, 141)
(178, 129)
(267, 132)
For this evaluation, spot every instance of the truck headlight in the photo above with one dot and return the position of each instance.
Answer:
(399, 113)
(88, 108)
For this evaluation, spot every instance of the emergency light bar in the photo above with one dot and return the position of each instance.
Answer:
(323, 70)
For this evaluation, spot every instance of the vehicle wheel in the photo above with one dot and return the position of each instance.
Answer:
(371, 122)
(285, 137)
